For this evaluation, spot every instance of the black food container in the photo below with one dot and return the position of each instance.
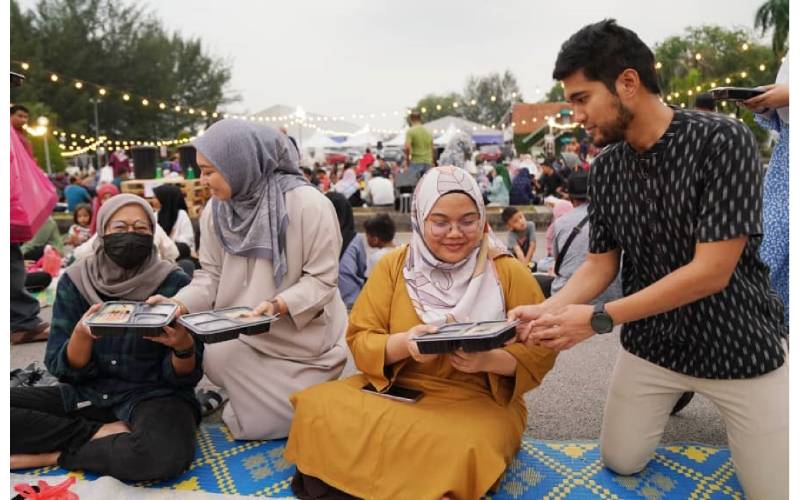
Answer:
(471, 337)
(734, 93)
(225, 324)
(134, 318)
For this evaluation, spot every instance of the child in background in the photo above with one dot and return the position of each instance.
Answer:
(521, 236)
(380, 235)
(80, 232)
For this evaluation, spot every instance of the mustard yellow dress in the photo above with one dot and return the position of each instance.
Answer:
(457, 440)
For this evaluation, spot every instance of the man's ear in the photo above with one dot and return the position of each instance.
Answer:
(628, 84)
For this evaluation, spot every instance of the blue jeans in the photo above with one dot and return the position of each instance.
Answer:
(419, 168)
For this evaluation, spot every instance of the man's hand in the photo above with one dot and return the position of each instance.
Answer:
(562, 330)
(776, 96)
(525, 315)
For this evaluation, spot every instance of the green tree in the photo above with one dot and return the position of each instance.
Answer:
(478, 104)
(556, 93)
(726, 58)
(120, 46)
(774, 14)
(433, 107)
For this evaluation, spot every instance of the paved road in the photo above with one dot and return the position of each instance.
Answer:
(568, 405)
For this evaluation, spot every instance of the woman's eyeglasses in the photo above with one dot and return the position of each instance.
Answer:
(468, 227)
(140, 227)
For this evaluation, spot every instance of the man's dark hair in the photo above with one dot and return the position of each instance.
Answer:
(508, 213)
(705, 101)
(19, 107)
(380, 226)
(73, 180)
(415, 116)
(603, 51)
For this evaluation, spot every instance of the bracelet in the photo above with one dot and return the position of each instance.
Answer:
(185, 354)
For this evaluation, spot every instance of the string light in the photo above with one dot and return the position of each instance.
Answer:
(145, 102)
(126, 97)
(25, 66)
(54, 77)
(102, 91)
(78, 85)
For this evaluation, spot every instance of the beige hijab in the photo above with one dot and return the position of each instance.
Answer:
(443, 292)
(98, 274)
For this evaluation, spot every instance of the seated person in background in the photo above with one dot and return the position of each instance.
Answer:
(497, 193)
(521, 190)
(551, 182)
(46, 235)
(79, 232)
(353, 255)
(521, 236)
(126, 406)
(173, 217)
(348, 187)
(380, 231)
(76, 194)
(380, 189)
(466, 429)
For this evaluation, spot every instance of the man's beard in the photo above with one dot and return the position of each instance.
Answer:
(615, 131)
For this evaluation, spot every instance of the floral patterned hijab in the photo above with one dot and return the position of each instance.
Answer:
(444, 292)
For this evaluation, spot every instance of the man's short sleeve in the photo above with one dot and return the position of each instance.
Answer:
(730, 194)
(601, 239)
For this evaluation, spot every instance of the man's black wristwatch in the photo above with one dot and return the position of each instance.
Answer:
(601, 322)
(185, 354)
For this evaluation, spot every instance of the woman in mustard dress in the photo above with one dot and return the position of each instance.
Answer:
(459, 438)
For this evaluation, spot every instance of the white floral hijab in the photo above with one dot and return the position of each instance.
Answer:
(444, 292)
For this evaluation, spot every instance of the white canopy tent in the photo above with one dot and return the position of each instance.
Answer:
(320, 141)
(443, 139)
(397, 141)
(361, 139)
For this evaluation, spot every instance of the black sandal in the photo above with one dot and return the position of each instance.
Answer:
(210, 401)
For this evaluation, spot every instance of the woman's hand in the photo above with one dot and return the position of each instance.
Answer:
(81, 329)
(160, 299)
(470, 362)
(776, 96)
(175, 337)
(413, 350)
(272, 307)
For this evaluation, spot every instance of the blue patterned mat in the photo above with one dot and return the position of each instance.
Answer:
(542, 469)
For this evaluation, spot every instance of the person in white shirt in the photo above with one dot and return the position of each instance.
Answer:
(380, 190)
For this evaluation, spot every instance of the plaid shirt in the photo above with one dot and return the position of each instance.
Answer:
(122, 371)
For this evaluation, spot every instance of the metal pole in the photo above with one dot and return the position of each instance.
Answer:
(96, 131)
(47, 153)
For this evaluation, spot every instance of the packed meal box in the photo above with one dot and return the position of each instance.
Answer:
(138, 318)
(471, 337)
(225, 324)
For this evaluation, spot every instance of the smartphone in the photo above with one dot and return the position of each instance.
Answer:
(397, 393)
(734, 93)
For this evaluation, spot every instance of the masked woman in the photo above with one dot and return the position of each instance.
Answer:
(126, 406)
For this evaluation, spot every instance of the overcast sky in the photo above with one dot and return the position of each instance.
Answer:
(364, 56)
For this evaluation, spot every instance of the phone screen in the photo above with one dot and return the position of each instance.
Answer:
(397, 393)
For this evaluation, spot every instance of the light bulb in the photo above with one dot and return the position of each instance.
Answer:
(54, 77)
(78, 85)
(126, 97)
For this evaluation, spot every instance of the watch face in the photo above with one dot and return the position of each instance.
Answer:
(602, 323)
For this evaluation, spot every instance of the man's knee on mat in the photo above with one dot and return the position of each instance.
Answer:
(150, 459)
(622, 463)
